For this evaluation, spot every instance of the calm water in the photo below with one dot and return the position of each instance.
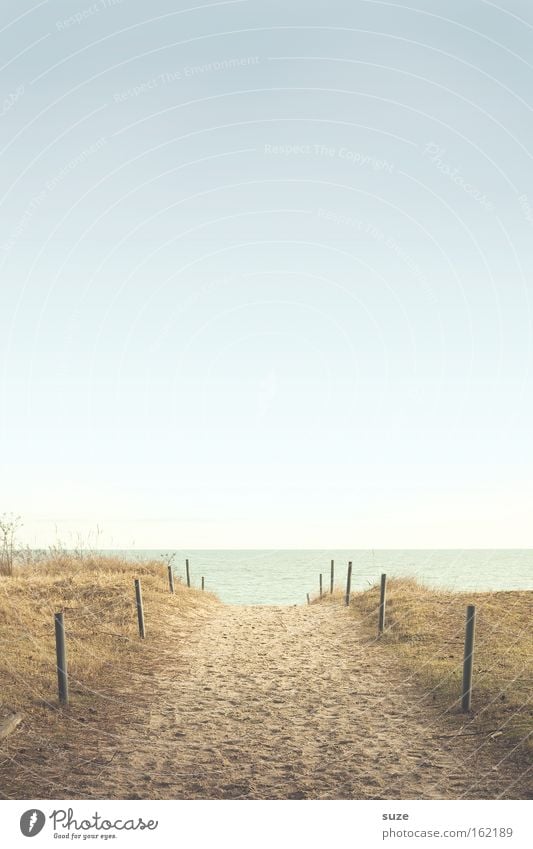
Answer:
(284, 577)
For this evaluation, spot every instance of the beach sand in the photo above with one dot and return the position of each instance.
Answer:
(265, 703)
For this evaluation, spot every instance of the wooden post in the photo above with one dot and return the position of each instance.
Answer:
(61, 659)
(203, 584)
(382, 603)
(140, 610)
(188, 573)
(320, 583)
(348, 583)
(170, 579)
(468, 664)
(332, 577)
(308, 599)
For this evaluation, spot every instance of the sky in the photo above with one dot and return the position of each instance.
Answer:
(265, 273)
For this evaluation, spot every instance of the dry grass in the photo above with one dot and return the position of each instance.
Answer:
(425, 631)
(97, 596)
(59, 753)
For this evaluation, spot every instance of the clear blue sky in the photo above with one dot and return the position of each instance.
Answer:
(266, 272)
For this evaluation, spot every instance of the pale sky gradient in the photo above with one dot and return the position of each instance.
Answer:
(266, 273)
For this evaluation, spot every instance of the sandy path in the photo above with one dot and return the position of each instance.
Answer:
(287, 702)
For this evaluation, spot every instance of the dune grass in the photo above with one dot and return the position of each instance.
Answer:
(96, 594)
(425, 630)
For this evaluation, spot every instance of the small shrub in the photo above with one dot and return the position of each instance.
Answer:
(9, 525)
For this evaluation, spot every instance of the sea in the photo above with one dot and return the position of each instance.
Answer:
(284, 577)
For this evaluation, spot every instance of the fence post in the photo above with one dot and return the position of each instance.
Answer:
(61, 658)
(332, 577)
(382, 603)
(468, 664)
(348, 583)
(171, 579)
(203, 584)
(308, 599)
(188, 573)
(320, 583)
(140, 610)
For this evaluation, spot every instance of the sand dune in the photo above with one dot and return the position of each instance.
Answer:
(271, 703)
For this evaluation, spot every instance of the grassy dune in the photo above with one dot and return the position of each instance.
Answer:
(129, 713)
(425, 632)
(97, 596)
